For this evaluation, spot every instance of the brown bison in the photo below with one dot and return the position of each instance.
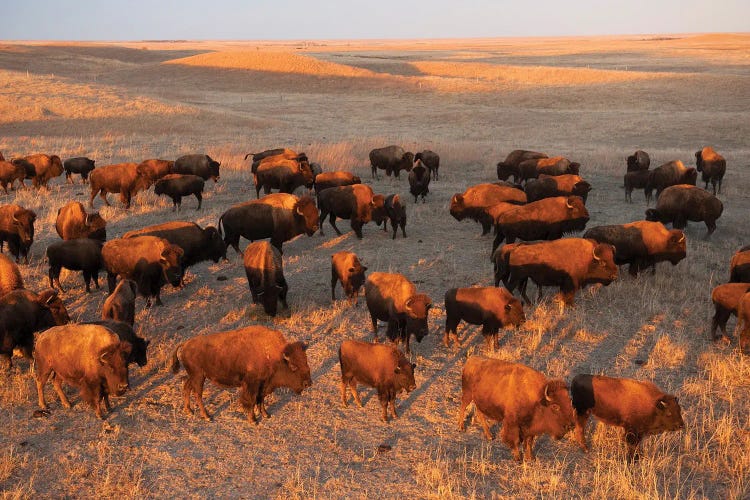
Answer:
(637, 406)
(474, 202)
(383, 367)
(669, 174)
(46, 167)
(197, 164)
(356, 202)
(346, 268)
(282, 174)
(10, 276)
(638, 161)
(712, 167)
(74, 222)
(327, 180)
(682, 203)
(546, 219)
(265, 276)
(743, 323)
(510, 166)
(256, 359)
(198, 244)
(739, 267)
(527, 403)
(392, 159)
(80, 254)
(149, 261)
(22, 313)
(10, 173)
(155, 169)
(557, 165)
(491, 307)
(126, 333)
(431, 160)
(419, 181)
(123, 178)
(17, 228)
(89, 357)
(269, 217)
(120, 305)
(637, 179)
(393, 298)
(178, 185)
(395, 211)
(80, 165)
(726, 299)
(641, 244)
(547, 186)
(569, 263)
(285, 152)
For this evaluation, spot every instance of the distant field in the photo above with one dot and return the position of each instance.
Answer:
(594, 100)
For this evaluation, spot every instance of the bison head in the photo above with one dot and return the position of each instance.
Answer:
(56, 166)
(377, 208)
(576, 211)
(690, 176)
(458, 206)
(114, 367)
(512, 312)
(159, 187)
(50, 301)
(217, 249)
(407, 161)
(23, 222)
(653, 215)
(306, 215)
(404, 375)
(602, 267)
(292, 370)
(676, 247)
(213, 169)
(141, 183)
(555, 414)
(417, 308)
(666, 415)
(269, 296)
(170, 261)
(96, 226)
(582, 189)
(307, 174)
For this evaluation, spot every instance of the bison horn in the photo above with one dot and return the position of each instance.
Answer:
(568, 203)
(15, 219)
(298, 211)
(596, 257)
(682, 238)
(546, 393)
(661, 404)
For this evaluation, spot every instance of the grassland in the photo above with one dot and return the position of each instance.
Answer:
(593, 100)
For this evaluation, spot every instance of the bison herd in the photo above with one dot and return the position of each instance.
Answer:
(546, 200)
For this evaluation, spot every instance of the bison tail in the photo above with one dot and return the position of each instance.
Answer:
(175, 365)
(249, 154)
(221, 221)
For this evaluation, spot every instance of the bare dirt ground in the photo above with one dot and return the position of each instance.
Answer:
(594, 100)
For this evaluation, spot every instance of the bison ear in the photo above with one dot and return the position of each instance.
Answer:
(298, 211)
(304, 346)
(569, 202)
(413, 366)
(364, 268)
(397, 369)
(105, 356)
(508, 307)
(661, 404)
(127, 348)
(288, 361)
(351, 270)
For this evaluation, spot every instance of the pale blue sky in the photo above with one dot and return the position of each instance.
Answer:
(351, 19)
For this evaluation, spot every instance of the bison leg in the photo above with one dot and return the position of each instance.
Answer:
(392, 400)
(632, 440)
(95, 275)
(374, 172)
(344, 395)
(356, 227)
(283, 292)
(197, 387)
(43, 373)
(510, 435)
(334, 280)
(580, 429)
(103, 196)
(451, 326)
(374, 327)
(394, 225)
(111, 281)
(384, 399)
(499, 237)
(721, 316)
(186, 390)
(403, 228)
(528, 444)
(199, 197)
(485, 425)
(87, 280)
(353, 388)
(332, 221)
(711, 225)
(466, 398)
(125, 198)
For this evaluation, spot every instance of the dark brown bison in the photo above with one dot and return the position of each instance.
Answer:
(637, 406)
(726, 299)
(197, 164)
(392, 159)
(125, 332)
(669, 174)
(10, 276)
(641, 244)
(547, 186)
(282, 174)
(383, 367)
(17, 228)
(256, 359)
(682, 203)
(198, 244)
(155, 169)
(392, 298)
(510, 166)
(356, 202)
(22, 313)
(269, 217)
(46, 167)
(743, 323)
(557, 165)
(10, 173)
(122, 178)
(327, 180)
(346, 268)
(80, 254)
(149, 261)
(431, 160)
(569, 263)
(178, 185)
(80, 165)
(739, 267)
(265, 276)
(74, 222)
(546, 219)
(638, 161)
(712, 167)
(89, 357)
(527, 403)
(637, 179)
(491, 307)
(120, 305)
(474, 202)
(419, 181)
(395, 212)
(28, 167)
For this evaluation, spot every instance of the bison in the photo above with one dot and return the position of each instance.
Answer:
(726, 299)
(356, 203)
(637, 406)
(395, 211)
(638, 161)
(198, 244)
(80, 165)
(10, 276)
(682, 203)
(641, 244)
(46, 167)
(10, 173)
(123, 178)
(89, 357)
(80, 254)
(256, 359)
(197, 164)
(327, 180)
(269, 218)
(155, 169)
(392, 159)
(125, 332)
(431, 160)
(120, 305)
(491, 307)
(527, 403)
(547, 186)
(178, 185)
(670, 174)
(148, 260)
(739, 267)
(284, 175)
(73, 222)
(383, 367)
(265, 276)
(419, 181)
(557, 165)
(637, 179)
(510, 166)
(743, 323)
(712, 167)
(474, 202)
(393, 298)
(346, 268)
(17, 228)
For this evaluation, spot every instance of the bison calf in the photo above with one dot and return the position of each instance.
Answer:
(491, 307)
(81, 254)
(637, 179)
(120, 305)
(265, 275)
(726, 299)
(346, 268)
(419, 181)
(80, 165)
(743, 323)
(395, 211)
(10, 173)
(74, 222)
(739, 267)
(178, 185)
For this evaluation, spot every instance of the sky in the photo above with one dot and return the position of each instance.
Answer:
(356, 19)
